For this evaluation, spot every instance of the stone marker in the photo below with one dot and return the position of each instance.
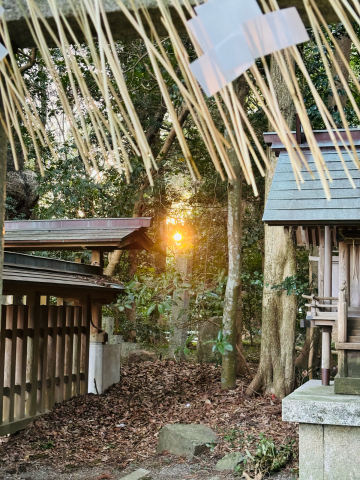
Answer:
(137, 475)
(180, 310)
(127, 348)
(139, 356)
(229, 462)
(207, 331)
(186, 440)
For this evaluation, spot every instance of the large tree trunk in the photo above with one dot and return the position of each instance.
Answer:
(276, 373)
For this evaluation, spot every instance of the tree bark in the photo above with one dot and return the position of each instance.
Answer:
(233, 286)
(302, 360)
(276, 372)
(233, 362)
(114, 260)
(160, 243)
(3, 164)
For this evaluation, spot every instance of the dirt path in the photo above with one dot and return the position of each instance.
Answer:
(116, 432)
(158, 471)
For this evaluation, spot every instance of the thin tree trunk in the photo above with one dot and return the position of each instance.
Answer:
(276, 372)
(233, 362)
(114, 259)
(233, 286)
(3, 165)
(302, 360)
(160, 243)
(314, 359)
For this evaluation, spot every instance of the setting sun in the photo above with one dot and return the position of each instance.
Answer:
(177, 237)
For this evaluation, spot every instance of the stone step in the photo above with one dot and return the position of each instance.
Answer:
(139, 474)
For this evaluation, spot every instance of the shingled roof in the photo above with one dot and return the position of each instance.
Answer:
(52, 276)
(286, 205)
(106, 234)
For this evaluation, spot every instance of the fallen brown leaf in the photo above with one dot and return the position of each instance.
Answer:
(122, 425)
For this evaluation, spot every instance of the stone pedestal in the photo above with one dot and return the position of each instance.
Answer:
(104, 366)
(329, 431)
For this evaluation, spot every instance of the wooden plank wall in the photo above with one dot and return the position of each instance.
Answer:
(43, 360)
(354, 276)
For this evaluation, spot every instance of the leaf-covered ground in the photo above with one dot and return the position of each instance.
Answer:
(121, 426)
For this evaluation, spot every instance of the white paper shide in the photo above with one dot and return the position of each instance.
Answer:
(233, 33)
(3, 50)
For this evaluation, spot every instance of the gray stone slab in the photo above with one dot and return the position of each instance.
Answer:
(137, 475)
(229, 462)
(318, 404)
(186, 440)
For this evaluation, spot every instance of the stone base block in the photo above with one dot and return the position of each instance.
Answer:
(329, 432)
(104, 366)
(329, 452)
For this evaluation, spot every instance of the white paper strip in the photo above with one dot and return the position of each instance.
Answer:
(217, 19)
(3, 52)
(207, 72)
(274, 31)
(233, 33)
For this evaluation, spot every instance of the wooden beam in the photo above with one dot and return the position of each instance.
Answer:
(321, 270)
(121, 28)
(344, 267)
(328, 263)
(97, 259)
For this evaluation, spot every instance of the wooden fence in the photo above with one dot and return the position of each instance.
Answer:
(44, 353)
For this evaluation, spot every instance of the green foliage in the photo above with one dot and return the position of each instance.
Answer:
(47, 445)
(234, 437)
(222, 344)
(313, 62)
(185, 348)
(267, 458)
(152, 294)
(300, 283)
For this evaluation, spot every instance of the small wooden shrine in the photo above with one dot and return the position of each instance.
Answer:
(45, 340)
(334, 227)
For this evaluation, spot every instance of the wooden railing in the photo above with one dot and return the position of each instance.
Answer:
(323, 311)
(44, 353)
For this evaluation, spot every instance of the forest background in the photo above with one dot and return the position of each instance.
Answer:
(196, 210)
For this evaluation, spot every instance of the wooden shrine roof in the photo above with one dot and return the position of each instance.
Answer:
(25, 272)
(105, 234)
(287, 205)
